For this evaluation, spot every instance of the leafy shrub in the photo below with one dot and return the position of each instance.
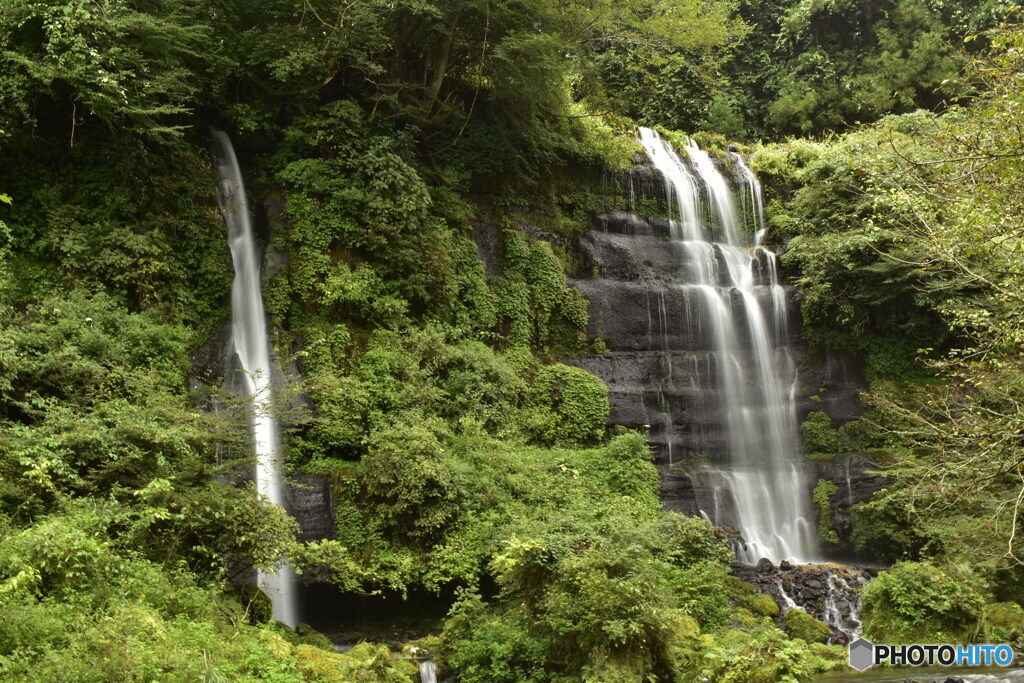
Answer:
(917, 602)
(818, 434)
(570, 406)
(576, 600)
(760, 653)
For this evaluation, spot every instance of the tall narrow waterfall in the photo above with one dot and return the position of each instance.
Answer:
(252, 343)
(731, 289)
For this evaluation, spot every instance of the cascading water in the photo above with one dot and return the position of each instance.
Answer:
(428, 671)
(734, 291)
(750, 196)
(251, 342)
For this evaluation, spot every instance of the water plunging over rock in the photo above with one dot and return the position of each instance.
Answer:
(428, 671)
(252, 344)
(707, 318)
(828, 592)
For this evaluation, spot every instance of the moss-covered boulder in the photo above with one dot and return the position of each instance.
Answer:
(368, 662)
(748, 597)
(1002, 622)
(305, 635)
(802, 625)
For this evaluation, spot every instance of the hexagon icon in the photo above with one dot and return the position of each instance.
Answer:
(862, 654)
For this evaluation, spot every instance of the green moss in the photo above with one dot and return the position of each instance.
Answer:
(802, 625)
(1002, 622)
(748, 597)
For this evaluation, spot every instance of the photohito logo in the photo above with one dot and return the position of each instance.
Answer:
(864, 654)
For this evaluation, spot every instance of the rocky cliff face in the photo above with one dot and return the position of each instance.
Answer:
(855, 483)
(660, 367)
(660, 370)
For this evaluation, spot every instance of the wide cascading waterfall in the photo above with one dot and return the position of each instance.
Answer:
(252, 344)
(731, 288)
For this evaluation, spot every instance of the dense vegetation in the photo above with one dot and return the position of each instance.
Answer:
(380, 139)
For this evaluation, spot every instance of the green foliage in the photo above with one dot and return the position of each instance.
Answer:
(810, 66)
(916, 602)
(627, 608)
(432, 508)
(1001, 622)
(818, 435)
(822, 497)
(79, 603)
(96, 55)
(571, 406)
(857, 271)
(802, 625)
(760, 653)
(534, 303)
(854, 61)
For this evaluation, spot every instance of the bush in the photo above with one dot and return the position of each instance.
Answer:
(917, 602)
(818, 435)
(585, 595)
(760, 653)
(570, 406)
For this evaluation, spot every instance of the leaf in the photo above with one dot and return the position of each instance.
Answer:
(6, 198)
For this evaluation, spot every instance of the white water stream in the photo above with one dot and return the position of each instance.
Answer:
(428, 671)
(740, 299)
(252, 343)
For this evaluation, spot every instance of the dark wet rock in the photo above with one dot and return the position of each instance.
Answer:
(856, 482)
(488, 248)
(215, 359)
(677, 492)
(308, 499)
(828, 592)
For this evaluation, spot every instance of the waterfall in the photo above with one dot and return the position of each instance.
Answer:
(428, 671)
(731, 286)
(750, 196)
(252, 343)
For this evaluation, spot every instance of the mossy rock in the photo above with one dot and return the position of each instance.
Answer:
(744, 618)
(257, 604)
(802, 625)
(762, 604)
(1002, 621)
(829, 657)
(316, 664)
(370, 662)
(748, 597)
(305, 635)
